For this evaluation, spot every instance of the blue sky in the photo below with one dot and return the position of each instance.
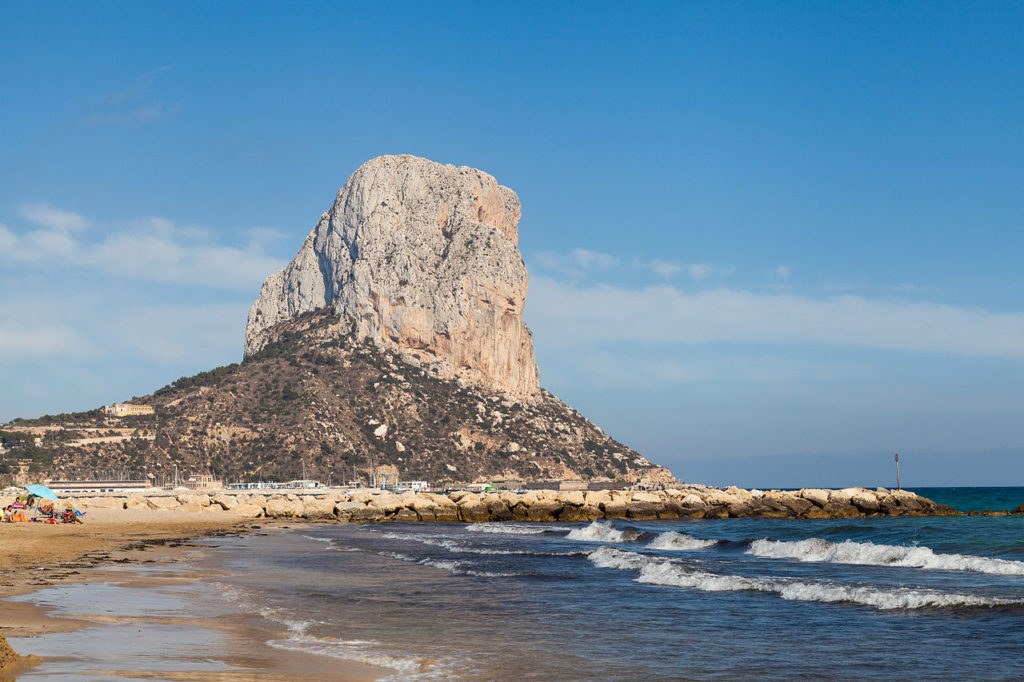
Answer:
(769, 243)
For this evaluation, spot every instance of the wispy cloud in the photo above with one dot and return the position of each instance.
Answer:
(148, 249)
(86, 325)
(783, 271)
(44, 215)
(582, 316)
(574, 263)
(664, 268)
(132, 116)
(579, 262)
(591, 260)
(139, 88)
(132, 105)
(699, 271)
(18, 340)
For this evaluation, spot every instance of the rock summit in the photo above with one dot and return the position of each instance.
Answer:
(421, 259)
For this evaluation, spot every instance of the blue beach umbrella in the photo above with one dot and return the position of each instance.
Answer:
(42, 491)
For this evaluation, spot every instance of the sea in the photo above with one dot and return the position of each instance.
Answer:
(866, 598)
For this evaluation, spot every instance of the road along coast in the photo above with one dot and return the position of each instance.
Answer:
(692, 501)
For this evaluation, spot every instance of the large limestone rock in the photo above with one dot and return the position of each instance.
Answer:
(420, 258)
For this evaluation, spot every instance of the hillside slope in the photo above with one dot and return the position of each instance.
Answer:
(314, 397)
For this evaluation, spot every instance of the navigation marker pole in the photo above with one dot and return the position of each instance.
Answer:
(897, 458)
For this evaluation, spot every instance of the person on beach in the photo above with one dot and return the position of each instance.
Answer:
(13, 514)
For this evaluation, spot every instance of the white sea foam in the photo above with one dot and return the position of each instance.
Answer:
(489, 574)
(372, 653)
(453, 567)
(602, 531)
(505, 528)
(662, 571)
(868, 553)
(610, 557)
(399, 556)
(679, 542)
(332, 544)
(451, 545)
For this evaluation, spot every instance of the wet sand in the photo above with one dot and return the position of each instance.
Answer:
(118, 598)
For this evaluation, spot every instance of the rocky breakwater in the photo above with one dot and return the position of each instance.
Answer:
(421, 259)
(693, 501)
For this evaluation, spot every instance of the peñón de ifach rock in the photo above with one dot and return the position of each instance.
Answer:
(421, 259)
(393, 340)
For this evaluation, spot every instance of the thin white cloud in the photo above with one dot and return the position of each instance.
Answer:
(7, 239)
(134, 116)
(44, 215)
(574, 263)
(75, 326)
(18, 340)
(143, 82)
(664, 269)
(150, 249)
(132, 105)
(579, 262)
(583, 316)
(593, 260)
(783, 271)
(179, 333)
(699, 271)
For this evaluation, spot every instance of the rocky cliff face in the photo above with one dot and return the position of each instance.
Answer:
(420, 259)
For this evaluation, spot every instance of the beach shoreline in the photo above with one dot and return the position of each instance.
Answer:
(139, 558)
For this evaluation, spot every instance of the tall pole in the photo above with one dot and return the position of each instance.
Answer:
(897, 458)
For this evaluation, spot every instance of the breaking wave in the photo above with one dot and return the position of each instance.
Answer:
(363, 651)
(666, 572)
(405, 667)
(446, 542)
(602, 531)
(679, 542)
(453, 567)
(868, 553)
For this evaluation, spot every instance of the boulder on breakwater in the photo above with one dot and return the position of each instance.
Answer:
(693, 501)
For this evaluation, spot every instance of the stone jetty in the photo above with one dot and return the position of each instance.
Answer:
(692, 501)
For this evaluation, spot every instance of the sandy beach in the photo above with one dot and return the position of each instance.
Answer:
(71, 594)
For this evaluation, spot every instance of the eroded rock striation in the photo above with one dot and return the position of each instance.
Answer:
(421, 259)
